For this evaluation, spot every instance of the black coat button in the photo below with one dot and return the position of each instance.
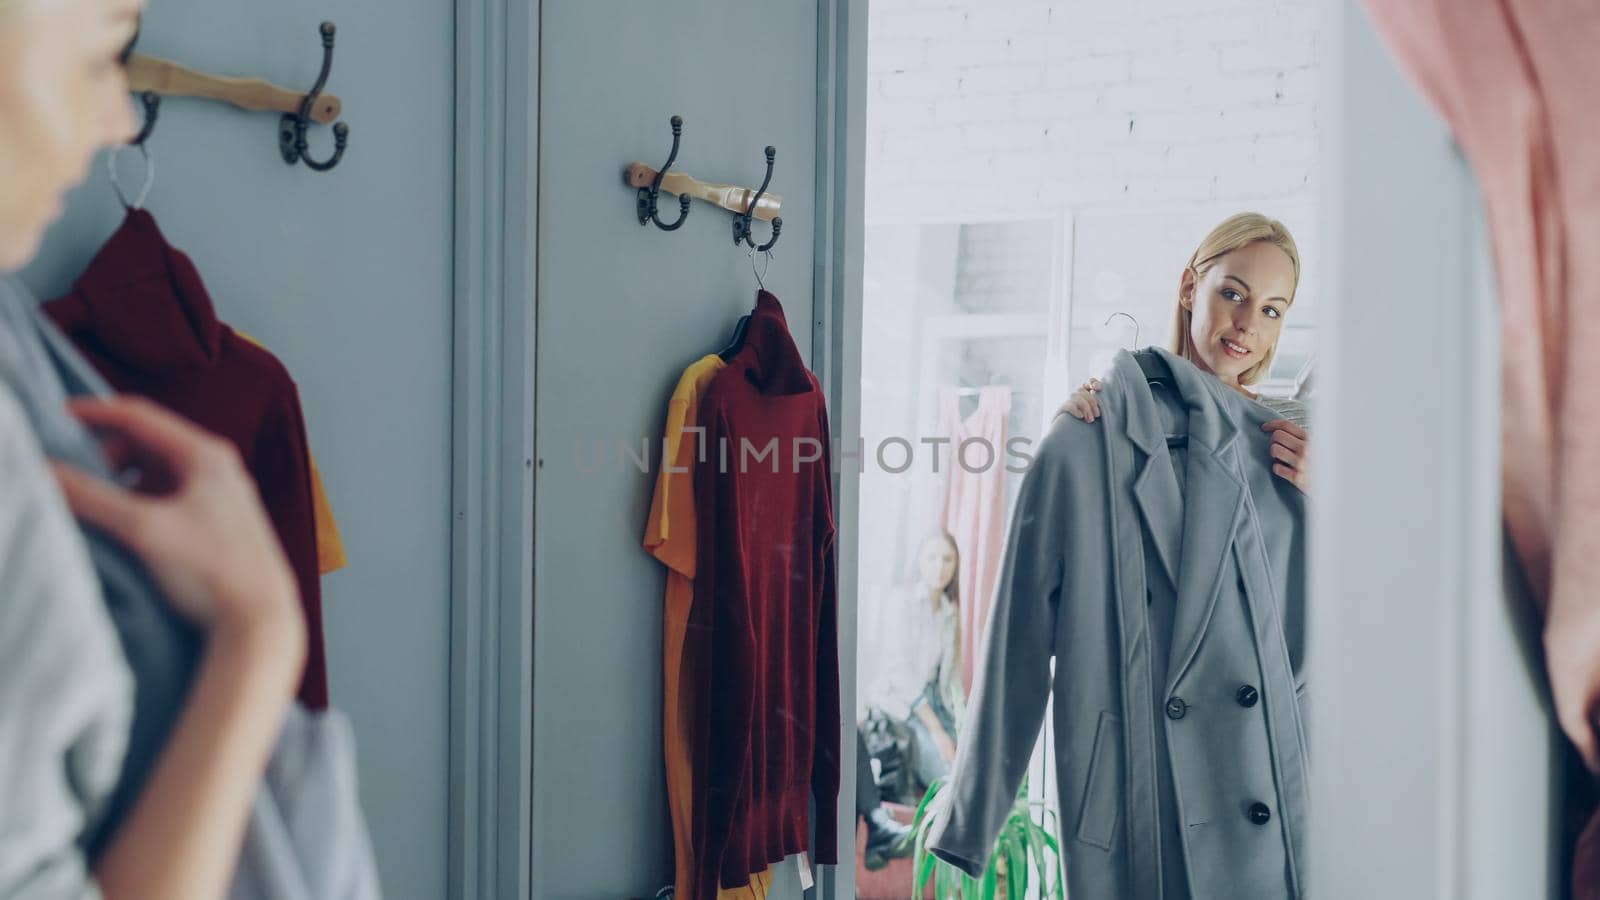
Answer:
(1260, 814)
(1247, 696)
(1176, 708)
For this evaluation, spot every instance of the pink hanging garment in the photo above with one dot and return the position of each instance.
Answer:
(974, 507)
(1516, 81)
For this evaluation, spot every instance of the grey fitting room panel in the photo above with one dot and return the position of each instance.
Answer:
(622, 310)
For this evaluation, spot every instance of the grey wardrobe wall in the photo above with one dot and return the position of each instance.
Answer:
(346, 276)
(621, 311)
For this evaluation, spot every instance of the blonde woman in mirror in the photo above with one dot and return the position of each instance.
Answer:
(1232, 299)
(919, 681)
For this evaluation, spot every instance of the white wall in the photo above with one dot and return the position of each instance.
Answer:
(1014, 104)
(1146, 123)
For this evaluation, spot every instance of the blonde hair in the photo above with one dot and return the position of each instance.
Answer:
(1236, 231)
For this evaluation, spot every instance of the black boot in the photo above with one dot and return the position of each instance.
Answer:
(886, 839)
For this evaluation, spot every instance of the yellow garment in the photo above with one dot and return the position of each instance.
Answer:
(330, 548)
(670, 537)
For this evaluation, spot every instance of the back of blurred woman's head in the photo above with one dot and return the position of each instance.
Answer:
(63, 97)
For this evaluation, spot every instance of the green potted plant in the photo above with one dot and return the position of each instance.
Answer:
(1025, 853)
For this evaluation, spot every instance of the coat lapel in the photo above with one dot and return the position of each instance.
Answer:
(1213, 505)
(1211, 515)
(1155, 484)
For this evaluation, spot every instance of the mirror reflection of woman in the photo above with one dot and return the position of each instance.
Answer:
(919, 669)
(1232, 299)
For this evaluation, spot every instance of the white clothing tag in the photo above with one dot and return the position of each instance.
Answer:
(806, 881)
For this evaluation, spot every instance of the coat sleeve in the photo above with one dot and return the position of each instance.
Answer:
(1013, 681)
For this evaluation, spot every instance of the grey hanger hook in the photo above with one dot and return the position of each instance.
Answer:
(648, 196)
(761, 275)
(292, 127)
(152, 109)
(742, 233)
(1130, 319)
(149, 175)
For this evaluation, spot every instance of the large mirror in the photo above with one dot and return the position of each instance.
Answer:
(395, 501)
(1088, 357)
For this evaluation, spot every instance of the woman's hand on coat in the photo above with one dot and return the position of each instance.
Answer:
(1290, 449)
(194, 516)
(1083, 404)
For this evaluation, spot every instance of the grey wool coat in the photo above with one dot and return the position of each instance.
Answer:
(1171, 599)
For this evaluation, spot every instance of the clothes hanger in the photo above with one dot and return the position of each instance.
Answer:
(152, 105)
(1159, 376)
(1157, 373)
(995, 380)
(1130, 319)
(761, 276)
(737, 341)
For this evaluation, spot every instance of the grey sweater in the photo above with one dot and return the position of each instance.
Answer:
(95, 667)
(42, 370)
(1289, 408)
(66, 695)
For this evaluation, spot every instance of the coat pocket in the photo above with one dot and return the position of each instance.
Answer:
(1102, 802)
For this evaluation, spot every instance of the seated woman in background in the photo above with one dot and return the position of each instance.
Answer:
(918, 665)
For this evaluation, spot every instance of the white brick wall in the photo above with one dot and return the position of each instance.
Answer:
(989, 107)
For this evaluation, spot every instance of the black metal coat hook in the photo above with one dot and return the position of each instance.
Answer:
(649, 196)
(292, 128)
(152, 108)
(742, 229)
